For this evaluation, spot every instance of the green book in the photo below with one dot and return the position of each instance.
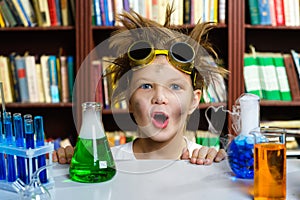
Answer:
(282, 77)
(251, 75)
(268, 77)
(254, 12)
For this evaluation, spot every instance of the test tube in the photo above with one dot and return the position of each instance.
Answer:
(19, 136)
(39, 130)
(8, 131)
(29, 138)
(2, 159)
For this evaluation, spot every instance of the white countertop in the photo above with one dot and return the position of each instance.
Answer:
(161, 179)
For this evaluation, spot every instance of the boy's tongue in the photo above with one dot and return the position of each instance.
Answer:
(160, 120)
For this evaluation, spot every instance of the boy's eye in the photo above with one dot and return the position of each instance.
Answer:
(146, 86)
(175, 87)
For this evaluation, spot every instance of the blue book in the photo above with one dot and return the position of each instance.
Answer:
(264, 12)
(71, 77)
(54, 91)
(22, 79)
(97, 12)
(58, 13)
(25, 14)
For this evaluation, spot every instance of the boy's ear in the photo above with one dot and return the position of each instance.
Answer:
(195, 100)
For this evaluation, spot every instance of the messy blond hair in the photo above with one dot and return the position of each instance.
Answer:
(135, 27)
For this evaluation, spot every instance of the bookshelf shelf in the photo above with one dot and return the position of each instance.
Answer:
(51, 28)
(37, 105)
(249, 26)
(279, 103)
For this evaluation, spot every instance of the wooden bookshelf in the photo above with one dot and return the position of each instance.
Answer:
(231, 40)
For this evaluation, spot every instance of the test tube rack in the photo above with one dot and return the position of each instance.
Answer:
(47, 149)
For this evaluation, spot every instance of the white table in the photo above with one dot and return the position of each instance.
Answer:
(161, 179)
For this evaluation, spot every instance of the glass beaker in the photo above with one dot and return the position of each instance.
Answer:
(92, 160)
(269, 164)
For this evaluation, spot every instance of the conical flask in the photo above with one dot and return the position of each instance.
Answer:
(92, 160)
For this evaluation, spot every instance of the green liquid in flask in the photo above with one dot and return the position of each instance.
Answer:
(92, 165)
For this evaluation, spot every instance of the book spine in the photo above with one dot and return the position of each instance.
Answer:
(64, 12)
(22, 79)
(44, 9)
(45, 77)
(272, 12)
(38, 14)
(40, 82)
(29, 10)
(58, 12)
(33, 89)
(71, 77)
(54, 91)
(6, 79)
(52, 12)
(23, 13)
(279, 12)
(282, 78)
(222, 11)
(264, 12)
(14, 12)
(64, 79)
(7, 14)
(251, 75)
(97, 12)
(14, 72)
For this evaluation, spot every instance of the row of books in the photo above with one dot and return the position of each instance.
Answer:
(31, 13)
(48, 79)
(274, 12)
(186, 11)
(273, 76)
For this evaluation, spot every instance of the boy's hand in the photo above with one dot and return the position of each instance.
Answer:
(204, 155)
(63, 155)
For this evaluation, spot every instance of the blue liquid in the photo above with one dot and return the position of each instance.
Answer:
(240, 156)
(2, 167)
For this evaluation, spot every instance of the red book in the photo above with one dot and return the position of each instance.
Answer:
(52, 12)
(279, 12)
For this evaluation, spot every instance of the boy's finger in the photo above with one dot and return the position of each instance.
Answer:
(69, 153)
(61, 155)
(211, 154)
(185, 154)
(202, 155)
(221, 155)
(54, 156)
(194, 156)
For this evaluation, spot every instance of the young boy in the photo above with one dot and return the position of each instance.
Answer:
(160, 73)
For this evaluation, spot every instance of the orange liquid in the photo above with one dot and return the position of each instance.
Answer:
(269, 171)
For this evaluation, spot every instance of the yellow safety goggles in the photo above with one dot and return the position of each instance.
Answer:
(181, 55)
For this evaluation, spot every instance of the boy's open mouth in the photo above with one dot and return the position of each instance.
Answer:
(160, 119)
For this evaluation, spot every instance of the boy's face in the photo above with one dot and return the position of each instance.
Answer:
(161, 99)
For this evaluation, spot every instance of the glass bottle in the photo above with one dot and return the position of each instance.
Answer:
(92, 160)
(240, 150)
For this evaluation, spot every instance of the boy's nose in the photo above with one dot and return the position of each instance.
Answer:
(159, 96)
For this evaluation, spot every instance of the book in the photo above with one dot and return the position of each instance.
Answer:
(64, 79)
(295, 57)
(6, 79)
(52, 12)
(54, 90)
(22, 78)
(272, 12)
(22, 12)
(292, 76)
(264, 12)
(97, 12)
(30, 12)
(71, 76)
(16, 13)
(282, 77)
(64, 6)
(38, 13)
(45, 77)
(251, 75)
(58, 69)
(7, 14)
(2, 21)
(222, 11)
(96, 84)
(268, 77)
(253, 11)
(14, 72)
(32, 81)
(39, 78)
(58, 12)
(44, 10)
(279, 12)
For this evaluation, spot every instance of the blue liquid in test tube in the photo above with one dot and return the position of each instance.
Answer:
(19, 136)
(2, 159)
(8, 131)
(29, 138)
(39, 130)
